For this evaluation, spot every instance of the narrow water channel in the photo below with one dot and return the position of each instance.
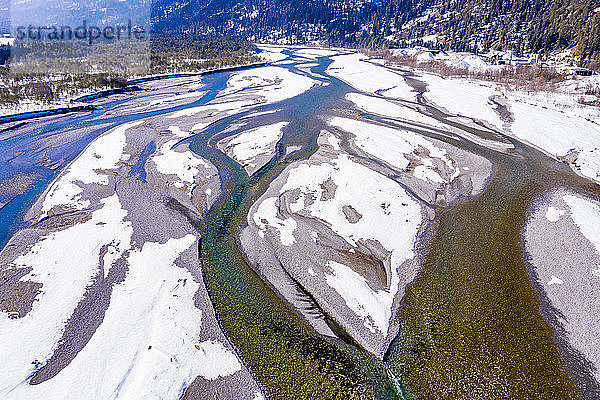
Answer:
(285, 354)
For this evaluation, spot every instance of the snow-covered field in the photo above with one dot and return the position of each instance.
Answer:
(388, 215)
(404, 112)
(586, 216)
(272, 54)
(463, 97)
(559, 134)
(151, 316)
(382, 106)
(557, 130)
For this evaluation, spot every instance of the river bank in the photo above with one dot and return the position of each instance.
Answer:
(79, 102)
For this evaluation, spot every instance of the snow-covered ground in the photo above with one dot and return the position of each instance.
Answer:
(381, 106)
(225, 106)
(316, 52)
(271, 83)
(388, 216)
(403, 112)
(59, 261)
(557, 127)
(559, 134)
(153, 312)
(398, 146)
(178, 161)
(157, 334)
(470, 61)
(92, 166)
(170, 101)
(463, 97)
(586, 216)
(28, 105)
(554, 122)
(357, 72)
(272, 54)
(252, 146)
(151, 315)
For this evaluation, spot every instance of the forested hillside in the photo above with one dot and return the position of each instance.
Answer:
(476, 25)
(520, 25)
(291, 21)
(172, 53)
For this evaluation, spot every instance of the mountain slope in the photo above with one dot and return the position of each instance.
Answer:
(291, 21)
(520, 25)
(475, 25)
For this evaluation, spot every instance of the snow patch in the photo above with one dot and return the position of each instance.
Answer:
(398, 145)
(103, 154)
(555, 281)
(184, 164)
(359, 297)
(586, 216)
(389, 216)
(266, 215)
(247, 146)
(368, 77)
(65, 263)
(272, 83)
(554, 213)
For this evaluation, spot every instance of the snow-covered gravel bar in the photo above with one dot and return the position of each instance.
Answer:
(562, 241)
